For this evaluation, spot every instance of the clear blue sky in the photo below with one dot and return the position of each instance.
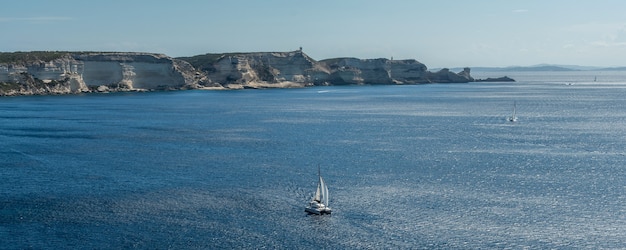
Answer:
(439, 33)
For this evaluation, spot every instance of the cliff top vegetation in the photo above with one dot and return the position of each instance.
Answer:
(26, 57)
(207, 60)
(32, 56)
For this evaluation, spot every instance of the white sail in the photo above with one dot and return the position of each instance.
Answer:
(514, 111)
(324, 191)
(319, 203)
(318, 193)
(513, 118)
(326, 195)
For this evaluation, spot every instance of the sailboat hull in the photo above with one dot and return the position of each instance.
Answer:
(513, 118)
(319, 203)
(317, 211)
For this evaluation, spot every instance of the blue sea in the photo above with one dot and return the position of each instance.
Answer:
(434, 166)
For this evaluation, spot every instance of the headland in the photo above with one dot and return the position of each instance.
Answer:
(56, 72)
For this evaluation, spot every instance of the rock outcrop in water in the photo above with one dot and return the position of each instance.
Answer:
(39, 73)
(497, 79)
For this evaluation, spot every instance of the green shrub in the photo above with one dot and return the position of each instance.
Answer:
(28, 57)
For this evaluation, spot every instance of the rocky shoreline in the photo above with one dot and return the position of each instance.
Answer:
(44, 73)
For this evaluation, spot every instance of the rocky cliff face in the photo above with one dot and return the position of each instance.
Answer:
(41, 77)
(377, 71)
(34, 73)
(296, 69)
(258, 70)
(88, 72)
(134, 71)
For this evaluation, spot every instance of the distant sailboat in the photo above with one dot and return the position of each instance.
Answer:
(319, 204)
(513, 118)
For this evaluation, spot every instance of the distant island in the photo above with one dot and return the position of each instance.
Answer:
(58, 72)
(545, 68)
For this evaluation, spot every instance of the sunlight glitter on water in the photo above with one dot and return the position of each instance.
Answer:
(426, 166)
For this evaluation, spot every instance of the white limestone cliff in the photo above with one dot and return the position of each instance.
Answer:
(84, 72)
(34, 73)
(376, 71)
(296, 69)
(266, 69)
(134, 71)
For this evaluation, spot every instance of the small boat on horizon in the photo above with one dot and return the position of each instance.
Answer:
(513, 118)
(319, 204)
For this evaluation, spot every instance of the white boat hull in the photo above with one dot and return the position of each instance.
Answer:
(318, 211)
(319, 203)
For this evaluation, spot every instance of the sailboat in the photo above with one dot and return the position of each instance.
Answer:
(319, 204)
(513, 118)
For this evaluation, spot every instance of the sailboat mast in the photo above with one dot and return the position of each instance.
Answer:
(321, 188)
(514, 108)
(318, 193)
(326, 195)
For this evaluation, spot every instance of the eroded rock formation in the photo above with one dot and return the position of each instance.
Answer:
(96, 72)
(36, 73)
(296, 69)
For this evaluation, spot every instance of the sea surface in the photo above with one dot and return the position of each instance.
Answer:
(408, 167)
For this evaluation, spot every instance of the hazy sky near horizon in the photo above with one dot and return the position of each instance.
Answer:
(438, 33)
